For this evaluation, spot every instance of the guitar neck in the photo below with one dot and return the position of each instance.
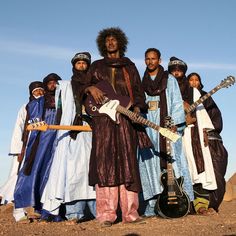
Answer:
(138, 119)
(202, 99)
(170, 177)
(70, 127)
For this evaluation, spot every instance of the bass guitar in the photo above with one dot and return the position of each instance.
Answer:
(173, 202)
(115, 104)
(43, 126)
(230, 80)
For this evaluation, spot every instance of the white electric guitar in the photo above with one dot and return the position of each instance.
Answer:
(115, 104)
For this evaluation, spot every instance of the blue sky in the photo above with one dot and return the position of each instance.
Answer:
(40, 37)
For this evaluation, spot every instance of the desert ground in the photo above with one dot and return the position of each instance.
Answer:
(222, 223)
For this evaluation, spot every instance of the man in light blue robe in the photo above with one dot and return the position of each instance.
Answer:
(164, 99)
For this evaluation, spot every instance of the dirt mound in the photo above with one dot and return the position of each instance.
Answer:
(230, 193)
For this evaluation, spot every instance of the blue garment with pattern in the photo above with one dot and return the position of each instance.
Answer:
(149, 161)
(29, 188)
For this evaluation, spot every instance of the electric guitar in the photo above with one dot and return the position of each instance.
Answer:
(230, 80)
(43, 126)
(173, 202)
(115, 104)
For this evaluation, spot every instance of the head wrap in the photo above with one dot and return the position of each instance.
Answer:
(115, 32)
(35, 85)
(81, 56)
(176, 63)
(32, 87)
(51, 77)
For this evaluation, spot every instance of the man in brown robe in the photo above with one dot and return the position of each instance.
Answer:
(113, 163)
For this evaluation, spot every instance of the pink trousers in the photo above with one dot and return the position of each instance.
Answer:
(107, 202)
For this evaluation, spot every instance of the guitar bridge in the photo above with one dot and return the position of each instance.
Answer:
(172, 203)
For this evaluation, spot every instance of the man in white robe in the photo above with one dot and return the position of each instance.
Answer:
(17, 151)
(68, 180)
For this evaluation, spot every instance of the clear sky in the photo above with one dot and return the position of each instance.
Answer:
(40, 37)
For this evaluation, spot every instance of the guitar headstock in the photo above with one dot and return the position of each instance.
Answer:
(37, 125)
(230, 80)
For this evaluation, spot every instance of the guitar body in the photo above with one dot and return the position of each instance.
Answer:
(172, 206)
(92, 108)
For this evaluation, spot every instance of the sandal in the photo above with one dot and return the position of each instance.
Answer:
(202, 211)
(106, 224)
(24, 220)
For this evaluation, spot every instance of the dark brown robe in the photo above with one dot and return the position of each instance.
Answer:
(113, 158)
(218, 152)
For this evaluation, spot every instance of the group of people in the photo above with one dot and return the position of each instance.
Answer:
(80, 175)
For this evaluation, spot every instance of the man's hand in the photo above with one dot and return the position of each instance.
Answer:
(20, 158)
(97, 94)
(136, 110)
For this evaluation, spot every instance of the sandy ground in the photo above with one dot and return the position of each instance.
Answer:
(223, 223)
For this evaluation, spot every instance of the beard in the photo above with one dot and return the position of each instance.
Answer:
(151, 70)
(112, 51)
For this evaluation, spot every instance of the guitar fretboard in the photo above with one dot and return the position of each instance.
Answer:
(170, 181)
(138, 119)
(202, 99)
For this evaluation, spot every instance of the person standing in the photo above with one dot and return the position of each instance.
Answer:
(113, 162)
(17, 150)
(33, 175)
(164, 99)
(211, 153)
(68, 179)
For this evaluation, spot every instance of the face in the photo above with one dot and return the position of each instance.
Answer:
(152, 61)
(38, 92)
(51, 85)
(177, 73)
(111, 44)
(81, 65)
(194, 81)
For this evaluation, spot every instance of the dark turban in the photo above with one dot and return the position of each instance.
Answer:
(176, 63)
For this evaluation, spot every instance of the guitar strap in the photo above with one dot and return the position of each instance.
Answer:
(128, 84)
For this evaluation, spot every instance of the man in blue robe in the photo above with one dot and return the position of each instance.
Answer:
(38, 156)
(164, 99)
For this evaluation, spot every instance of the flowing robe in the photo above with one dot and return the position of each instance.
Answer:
(149, 159)
(207, 176)
(68, 179)
(7, 190)
(218, 152)
(113, 159)
(29, 188)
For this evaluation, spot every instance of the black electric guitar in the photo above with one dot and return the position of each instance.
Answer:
(115, 104)
(230, 80)
(173, 202)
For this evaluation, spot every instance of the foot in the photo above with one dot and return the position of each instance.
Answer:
(24, 220)
(81, 220)
(106, 223)
(71, 222)
(202, 211)
(137, 221)
(211, 211)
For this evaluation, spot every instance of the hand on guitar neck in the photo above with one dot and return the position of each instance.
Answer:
(188, 117)
(230, 80)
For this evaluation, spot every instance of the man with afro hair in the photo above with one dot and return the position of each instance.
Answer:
(113, 163)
